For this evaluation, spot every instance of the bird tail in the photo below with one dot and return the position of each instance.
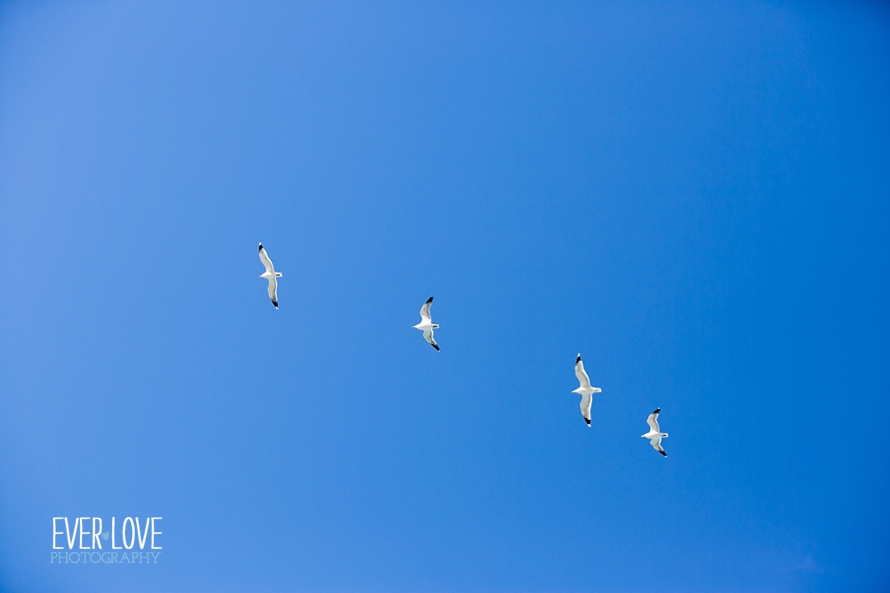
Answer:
(278, 274)
(664, 435)
(435, 326)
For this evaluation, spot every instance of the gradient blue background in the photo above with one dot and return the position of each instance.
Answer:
(693, 195)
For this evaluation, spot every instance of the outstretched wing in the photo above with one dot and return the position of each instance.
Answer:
(425, 311)
(656, 444)
(428, 336)
(586, 403)
(652, 420)
(273, 291)
(581, 373)
(267, 263)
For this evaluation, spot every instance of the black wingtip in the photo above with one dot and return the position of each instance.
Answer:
(657, 411)
(577, 360)
(663, 453)
(436, 347)
(261, 246)
(429, 300)
(587, 421)
(276, 304)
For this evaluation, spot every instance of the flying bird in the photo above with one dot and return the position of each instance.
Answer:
(426, 324)
(655, 435)
(271, 275)
(585, 390)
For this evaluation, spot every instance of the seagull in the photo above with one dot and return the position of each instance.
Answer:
(585, 389)
(271, 275)
(426, 324)
(655, 435)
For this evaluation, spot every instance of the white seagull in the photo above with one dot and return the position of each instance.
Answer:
(271, 275)
(426, 324)
(655, 435)
(585, 390)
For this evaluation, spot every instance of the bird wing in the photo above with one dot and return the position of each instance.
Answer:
(656, 444)
(273, 291)
(652, 420)
(428, 336)
(425, 311)
(267, 263)
(586, 403)
(581, 373)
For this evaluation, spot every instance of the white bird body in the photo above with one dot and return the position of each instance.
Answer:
(426, 324)
(584, 389)
(271, 275)
(655, 435)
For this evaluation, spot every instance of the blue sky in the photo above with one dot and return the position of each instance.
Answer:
(692, 195)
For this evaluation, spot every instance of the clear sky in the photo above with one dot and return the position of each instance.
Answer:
(694, 195)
